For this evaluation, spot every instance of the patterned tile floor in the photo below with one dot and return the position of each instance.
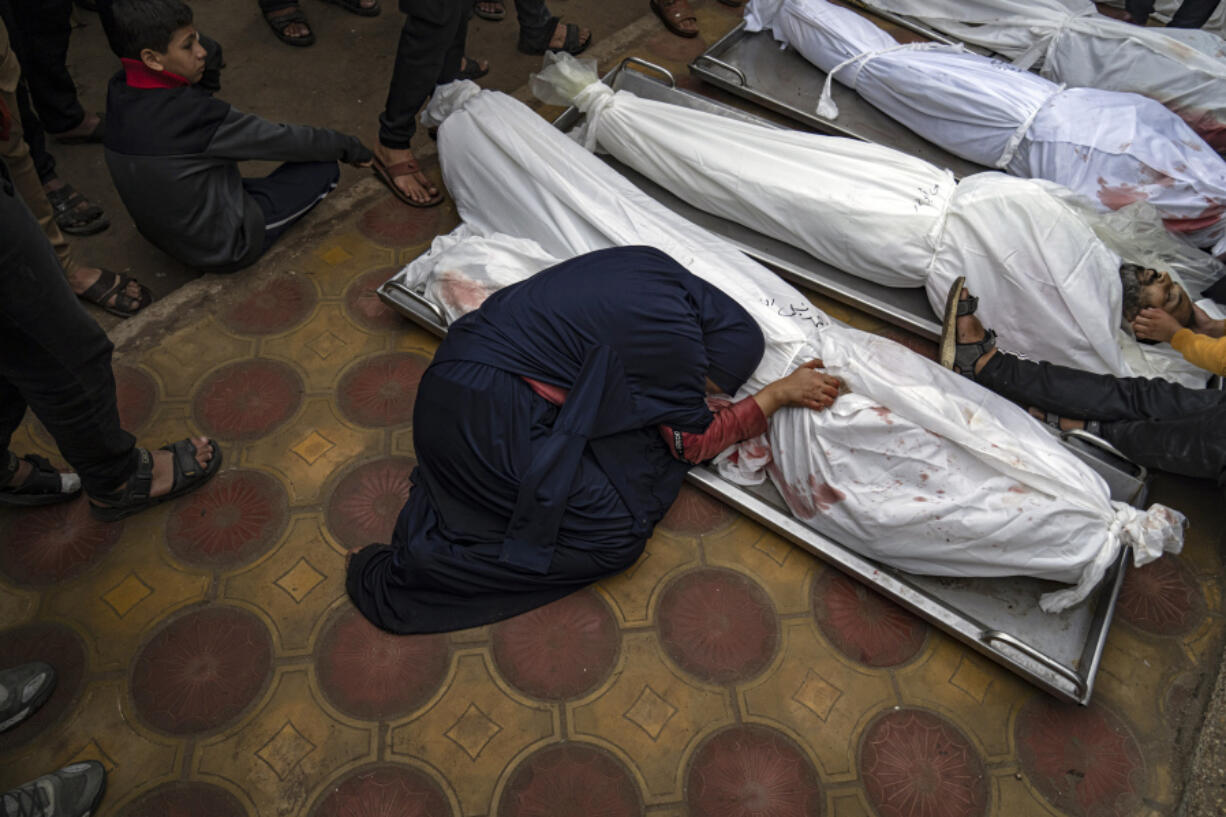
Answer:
(209, 658)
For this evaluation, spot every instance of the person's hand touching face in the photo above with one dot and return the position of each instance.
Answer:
(1152, 323)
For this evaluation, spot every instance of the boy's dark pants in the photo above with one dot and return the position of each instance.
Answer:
(430, 53)
(1154, 422)
(289, 193)
(54, 357)
(1190, 14)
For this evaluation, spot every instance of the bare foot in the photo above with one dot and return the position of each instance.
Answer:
(558, 41)
(970, 330)
(82, 278)
(164, 465)
(491, 7)
(1066, 423)
(82, 131)
(295, 30)
(415, 185)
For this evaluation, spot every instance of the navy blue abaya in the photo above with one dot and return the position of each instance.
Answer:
(517, 502)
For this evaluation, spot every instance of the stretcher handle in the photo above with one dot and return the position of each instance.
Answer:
(1079, 684)
(650, 66)
(1098, 442)
(729, 67)
(421, 303)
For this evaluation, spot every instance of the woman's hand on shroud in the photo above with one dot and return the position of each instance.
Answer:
(806, 388)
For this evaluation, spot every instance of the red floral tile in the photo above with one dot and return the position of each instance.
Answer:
(718, 625)
(559, 651)
(365, 503)
(363, 304)
(202, 670)
(863, 625)
(752, 770)
(1162, 598)
(569, 779)
(248, 399)
(47, 545)
(1083, 760)
(915, 762)
(232, 520)
(695, 513)
(380, 390)
(185, 800)
(398, 673)
(276, 305)
(52, 644)
(394, 224)
(136, 394)
(384, 791)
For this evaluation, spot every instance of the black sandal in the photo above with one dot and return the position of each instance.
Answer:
(70, 214)
(134, 496)
(470, 70)
(281, 22)
(1052, 419)
(356, 7)
(490, 15)
(44, 485)
(108, 284)
(571, 45)
(961, 357)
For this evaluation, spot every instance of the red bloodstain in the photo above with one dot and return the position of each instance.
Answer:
(1154, 176)
(923, 477)
(1119, 196)
(825, 494)
(807, 500)
(884, 414)
(1211, 215)
(920, 499)
(1204, 123)
(1018, 489)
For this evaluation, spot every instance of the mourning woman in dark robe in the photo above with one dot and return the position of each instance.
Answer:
(552, 432)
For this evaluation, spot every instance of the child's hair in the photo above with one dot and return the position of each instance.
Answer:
(141, 24)
(1130, 277)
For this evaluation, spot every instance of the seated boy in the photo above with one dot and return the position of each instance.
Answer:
(173, 150)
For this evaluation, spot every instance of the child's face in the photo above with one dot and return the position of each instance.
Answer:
(184, 56)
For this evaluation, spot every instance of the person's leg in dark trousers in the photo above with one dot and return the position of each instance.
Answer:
(1139, 10)
(431, 50)
(54, 357)
(289, 193)
(36, 136)
(533, 17)
(1154, 422)
(1193, 13)
(41, 43)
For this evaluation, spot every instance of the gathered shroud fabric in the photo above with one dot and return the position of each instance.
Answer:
(516, 501)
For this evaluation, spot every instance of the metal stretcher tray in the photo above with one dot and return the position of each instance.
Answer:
(999, 618)
(754, 66)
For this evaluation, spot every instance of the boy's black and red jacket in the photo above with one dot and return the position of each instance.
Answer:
(173, 152)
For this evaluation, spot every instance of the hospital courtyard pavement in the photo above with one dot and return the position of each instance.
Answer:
(208, 656)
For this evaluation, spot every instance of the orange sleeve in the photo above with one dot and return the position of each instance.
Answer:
(1201, 350)
(733, 422)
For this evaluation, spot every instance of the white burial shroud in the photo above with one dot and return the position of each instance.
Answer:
(1047, 284)
(1112, 148)
(916, 466)
(1181, 68)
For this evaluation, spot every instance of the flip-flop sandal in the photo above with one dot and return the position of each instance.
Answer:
(109, 284)
(44, 485)
(471, 70)
(280, 23)
(673, 14)
(356, 7)
(949, 322)
(93, 137)
(134, 496)
(389, 174)
(490, 15)
(571, 43)
(71, 217)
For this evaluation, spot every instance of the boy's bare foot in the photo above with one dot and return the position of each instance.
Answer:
(415, 186)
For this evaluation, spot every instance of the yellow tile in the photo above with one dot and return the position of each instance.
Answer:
(652, 716)
(180, 362)
(476, 729)
(101, 728)
(633, 594)
(121, 599)
(16, 605)
(814, 693)
(324, 347)
(784, 570)
(299, 453)
(415, 339)
(343, 257)
(1135, 674)
(295, 585)
(288, 749)
(849, 804)
(1013, 796)
(978, 695)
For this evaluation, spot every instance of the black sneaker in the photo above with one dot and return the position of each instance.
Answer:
(73, 791)
(23, 689)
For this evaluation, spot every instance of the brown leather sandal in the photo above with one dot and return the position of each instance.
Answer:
(389, 174)
(673, 13)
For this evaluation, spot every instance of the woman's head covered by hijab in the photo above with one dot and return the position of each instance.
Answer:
(733, 341)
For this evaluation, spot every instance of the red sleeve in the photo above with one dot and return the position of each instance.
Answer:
(733, 422)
